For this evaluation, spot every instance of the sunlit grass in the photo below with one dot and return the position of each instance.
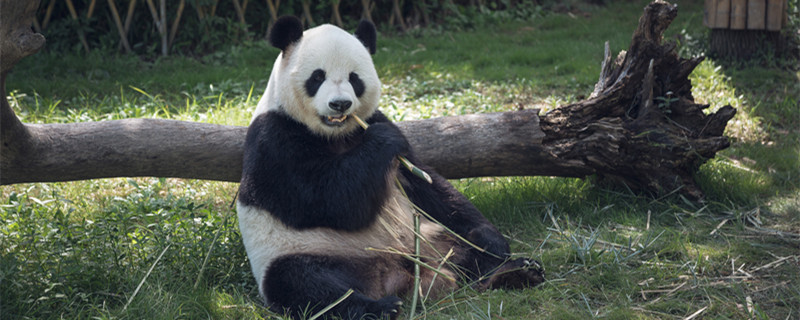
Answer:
(79, 249)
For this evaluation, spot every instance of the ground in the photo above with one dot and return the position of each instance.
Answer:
(169, 248)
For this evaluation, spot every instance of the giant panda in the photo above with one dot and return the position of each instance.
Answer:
(323, 206)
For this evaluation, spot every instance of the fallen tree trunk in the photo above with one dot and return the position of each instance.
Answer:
(639, 127)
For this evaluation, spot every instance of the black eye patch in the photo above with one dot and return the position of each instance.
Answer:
(314, 82)
(358, 85)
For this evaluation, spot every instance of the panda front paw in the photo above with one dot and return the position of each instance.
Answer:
(388, 136)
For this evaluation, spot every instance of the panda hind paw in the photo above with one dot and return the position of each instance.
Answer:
(388, 307)
(517, 274)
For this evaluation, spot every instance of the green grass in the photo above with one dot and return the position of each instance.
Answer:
(81, 249)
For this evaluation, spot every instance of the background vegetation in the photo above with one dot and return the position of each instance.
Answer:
(155, 248)
(203, 26)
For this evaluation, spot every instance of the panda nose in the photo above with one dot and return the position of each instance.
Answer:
(340, 105)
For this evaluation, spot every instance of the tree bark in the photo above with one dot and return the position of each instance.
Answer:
(640, 127)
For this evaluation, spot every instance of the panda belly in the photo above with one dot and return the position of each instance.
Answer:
(266, 239)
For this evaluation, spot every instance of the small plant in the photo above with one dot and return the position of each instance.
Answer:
(664, 102)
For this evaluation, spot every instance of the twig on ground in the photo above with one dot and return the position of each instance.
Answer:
(668, 293)
(208, 254)
(330, 306)
(145, 278)
(666, 315)
(696, 313)
(774, 263)
(718, 226)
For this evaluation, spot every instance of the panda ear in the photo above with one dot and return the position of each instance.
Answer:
(367, 34)
(285, 31)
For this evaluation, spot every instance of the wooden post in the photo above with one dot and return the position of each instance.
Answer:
(722, 15)
(756, 12)
(738, 14)
(775, 10)
(742, 29)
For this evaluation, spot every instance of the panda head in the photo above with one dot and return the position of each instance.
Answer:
(323, 76)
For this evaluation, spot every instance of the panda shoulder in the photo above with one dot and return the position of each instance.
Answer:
(270, 127)
(273, 121)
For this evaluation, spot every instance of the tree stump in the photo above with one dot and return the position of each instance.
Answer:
(640, 127)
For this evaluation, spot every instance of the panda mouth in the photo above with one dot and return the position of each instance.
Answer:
(334, 121)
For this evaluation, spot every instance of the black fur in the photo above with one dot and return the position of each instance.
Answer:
(307, 283)
(285, 31)
(367, 34)
(357, 83)
(308, 181)
(314, 81)
(451, 208)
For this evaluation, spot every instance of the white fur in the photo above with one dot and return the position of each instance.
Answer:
(266, 238)
(336, 52)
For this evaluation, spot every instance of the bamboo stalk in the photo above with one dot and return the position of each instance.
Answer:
(145, 278)
(332, 305)
(237, 6)
(129, 16)
(74, 15)
(154, 13)
(417, 288)
(410, 166)
(121, 29)
(415, 260)
(36, 26)
(399, 15)
(163, 29)
(366, 14)
(176, 23)
(48, 14)
(90, 12)
(307, 13)
(337, 18)
(273, 10)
